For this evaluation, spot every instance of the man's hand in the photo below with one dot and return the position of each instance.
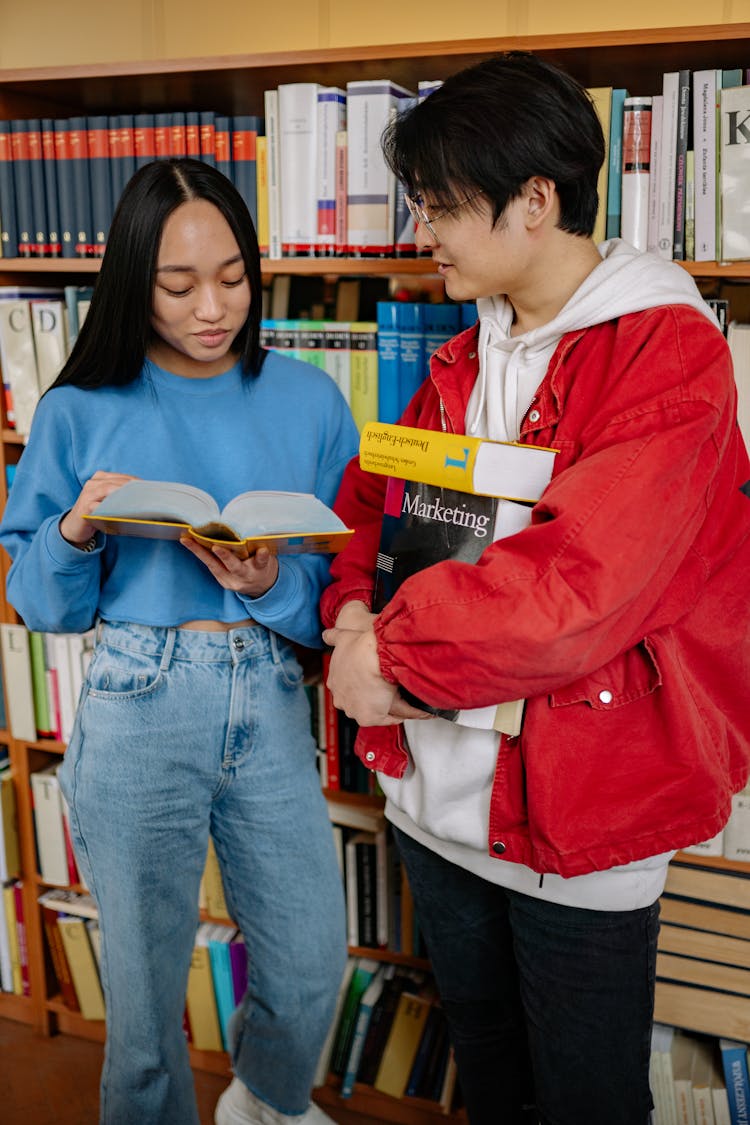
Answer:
(354, 678)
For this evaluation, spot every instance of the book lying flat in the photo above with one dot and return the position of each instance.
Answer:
(509, 469)
(284, 522)
(425, 524)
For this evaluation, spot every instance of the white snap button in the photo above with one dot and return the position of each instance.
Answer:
(370, 756)
(534, 416)
(605, 696)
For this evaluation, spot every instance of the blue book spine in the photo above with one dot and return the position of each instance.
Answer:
(178, 142)
(245, 130)
(8, 219)
(39, 235)
(223, 145)
(411, 369)
(100, 179)
(65, 189)
(19, 136)
(49, 166)
(207, 134)
(441, 322)
(144, 144)
(162, 135)
(79, 152)
(614, 180)
(388, 362)
(221, 971)
(737, 1079)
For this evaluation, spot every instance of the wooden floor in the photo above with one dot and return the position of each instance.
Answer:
(56, 1081)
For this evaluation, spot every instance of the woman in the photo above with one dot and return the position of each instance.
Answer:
(193, 718)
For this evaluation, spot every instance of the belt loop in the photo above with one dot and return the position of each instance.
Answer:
(166, 655)
(275, 656)
(98, 626)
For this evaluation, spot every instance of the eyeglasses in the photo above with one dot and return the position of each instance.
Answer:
(419, 215)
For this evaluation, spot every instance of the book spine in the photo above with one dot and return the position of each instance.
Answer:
(704, 146)
(207, 135)
(271, 105)
(53, 247)
(657, 112)
(411, 371)
(681, 146)
(22, 182)
(636, 156)
(8, 217)
(162, 135)
(389, 398)
(298, 149)
(261, 191)
(331, 120)
(177, 135)
(614, 177)
(668, 164)
(223, 145)
(244, 132)
(79, 158)
(101, 186)
(144, 146)
(39, 235)
(342, 151)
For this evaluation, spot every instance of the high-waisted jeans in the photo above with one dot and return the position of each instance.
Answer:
(178, 734)
(548, 1006)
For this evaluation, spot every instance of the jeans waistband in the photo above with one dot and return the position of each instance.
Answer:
(170, 643)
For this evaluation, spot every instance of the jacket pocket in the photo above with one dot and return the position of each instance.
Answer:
(628, 677)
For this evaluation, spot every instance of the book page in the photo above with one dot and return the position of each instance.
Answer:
(159, 500)
(276, 513)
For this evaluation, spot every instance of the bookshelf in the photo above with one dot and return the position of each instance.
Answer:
(235, 84)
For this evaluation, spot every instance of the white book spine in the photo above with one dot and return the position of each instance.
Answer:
(298, 153)
(271, 108)
(18, 361)
(636, 163)
(370, 184)
(50, 834)
(657, 113)
(734, 162)
(737, 831)
(331, 120)
(19, 695)
(668, 165)
(704, 145)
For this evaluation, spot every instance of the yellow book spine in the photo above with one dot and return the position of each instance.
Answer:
(9, 906)
(201, 1003)
(261, 171)
(428, 456)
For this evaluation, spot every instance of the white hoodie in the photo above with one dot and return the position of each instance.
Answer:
(443, 798)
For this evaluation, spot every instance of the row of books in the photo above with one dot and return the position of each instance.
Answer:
(38, 327)
(389, 1032)
(14, 959)
(677, 171)
(43, 675)
(696, 1080)
(216, 983)
(61, 179)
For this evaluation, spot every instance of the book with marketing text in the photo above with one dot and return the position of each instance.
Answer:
(284, 522)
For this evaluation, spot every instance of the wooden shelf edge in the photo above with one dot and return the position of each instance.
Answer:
(713, 862)
(333, 267)
(18, 1008)
(367, 1100)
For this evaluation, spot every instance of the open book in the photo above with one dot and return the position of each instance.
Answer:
(284, 522)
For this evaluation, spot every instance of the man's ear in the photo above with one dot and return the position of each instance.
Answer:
(541, 199)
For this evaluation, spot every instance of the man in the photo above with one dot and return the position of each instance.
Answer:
(536, 861)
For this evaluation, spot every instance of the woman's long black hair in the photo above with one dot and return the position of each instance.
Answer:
(116, 334)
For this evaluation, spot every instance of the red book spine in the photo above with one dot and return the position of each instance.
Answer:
(332, 732)
(23, 948)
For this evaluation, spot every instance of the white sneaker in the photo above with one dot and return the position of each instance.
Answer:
(238, 1106)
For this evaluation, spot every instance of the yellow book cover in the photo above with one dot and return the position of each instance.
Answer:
(284, 522)
(9, 906)
(601, 96)
(509, 470)
(363, 336)
(402, 1044)
(261, 174)
(203, 1017)
(213, 888)
(82, 964)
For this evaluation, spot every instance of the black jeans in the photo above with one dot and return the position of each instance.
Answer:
(548, 1006)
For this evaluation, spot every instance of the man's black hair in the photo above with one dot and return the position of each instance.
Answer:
(493, 126)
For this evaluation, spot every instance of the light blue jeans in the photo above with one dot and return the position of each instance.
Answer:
(179, 734)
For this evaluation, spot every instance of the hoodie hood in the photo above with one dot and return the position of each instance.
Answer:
(511, 368)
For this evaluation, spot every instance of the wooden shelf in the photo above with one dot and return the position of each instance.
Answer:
(326, 267)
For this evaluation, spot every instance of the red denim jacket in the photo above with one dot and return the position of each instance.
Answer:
(621, 614)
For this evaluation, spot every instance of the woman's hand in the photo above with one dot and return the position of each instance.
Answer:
(73, 527)
(252, 576)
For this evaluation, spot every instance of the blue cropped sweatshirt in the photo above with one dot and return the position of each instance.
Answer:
(287, 428)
